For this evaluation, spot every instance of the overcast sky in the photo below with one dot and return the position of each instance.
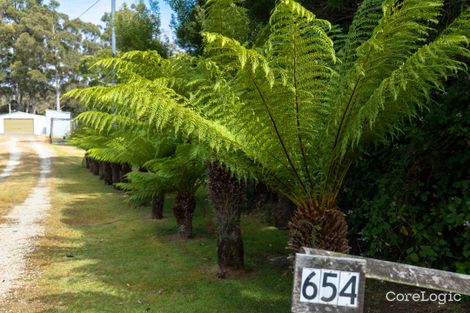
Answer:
(75, 8)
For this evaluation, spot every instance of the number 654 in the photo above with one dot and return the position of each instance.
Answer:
(329, 287)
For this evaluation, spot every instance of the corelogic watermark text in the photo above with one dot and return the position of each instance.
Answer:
(423, 296)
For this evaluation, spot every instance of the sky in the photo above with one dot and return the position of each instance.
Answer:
(74, 8)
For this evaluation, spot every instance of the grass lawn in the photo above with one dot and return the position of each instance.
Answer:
(4, 155)
(101, 255)
(16, 187)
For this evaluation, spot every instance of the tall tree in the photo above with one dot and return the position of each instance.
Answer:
(137, 28)
(68, 41)
(187, 24)
(40, 51)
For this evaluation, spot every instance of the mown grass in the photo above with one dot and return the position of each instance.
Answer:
(4, 155)
(16, 187)
(101, 255)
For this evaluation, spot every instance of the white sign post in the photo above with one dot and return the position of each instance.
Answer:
(328, 284)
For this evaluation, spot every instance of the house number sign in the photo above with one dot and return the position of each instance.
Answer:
(330, 287)
(328, 284)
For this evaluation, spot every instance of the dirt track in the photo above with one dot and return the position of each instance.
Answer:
(20, 227)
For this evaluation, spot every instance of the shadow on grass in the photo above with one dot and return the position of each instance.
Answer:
(59, 301)
(123, 262)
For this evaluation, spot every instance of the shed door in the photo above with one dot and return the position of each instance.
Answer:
(19, 126)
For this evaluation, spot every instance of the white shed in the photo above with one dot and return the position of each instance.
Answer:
(58, 123)
(23, 123)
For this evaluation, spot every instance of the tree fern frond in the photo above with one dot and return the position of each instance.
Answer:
(294, 112)
(132, 63)
(409, 87)
(301, 48)
(104, 122)
(365, 21)
(142, 185)
(231, 51)
(404, 27)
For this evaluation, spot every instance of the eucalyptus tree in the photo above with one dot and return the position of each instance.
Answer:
(40, 50)
(187, 24)
(298, 110)
(68, 41)
(26, 70)
(137, 28)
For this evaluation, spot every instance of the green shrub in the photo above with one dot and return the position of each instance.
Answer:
(409, 200)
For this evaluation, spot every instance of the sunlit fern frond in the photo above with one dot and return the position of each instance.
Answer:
(404, 27)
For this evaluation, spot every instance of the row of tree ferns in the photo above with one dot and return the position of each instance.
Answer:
(293, 110)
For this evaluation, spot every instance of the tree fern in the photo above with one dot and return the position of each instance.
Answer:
(296, 111)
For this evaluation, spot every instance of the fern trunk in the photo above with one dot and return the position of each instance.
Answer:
(93, 166)
(96, 167)
(321, 228)
(125, 169)
(157, 206)
(100, 169)
(227, 195)
(282, 212)
(116, 172)
(183, 210)
(106, 173)
(87, 161)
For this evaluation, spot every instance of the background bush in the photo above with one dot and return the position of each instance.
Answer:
(409, 199)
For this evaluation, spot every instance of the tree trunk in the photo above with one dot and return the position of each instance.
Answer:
(19, 98)
(58, 94)
(100, 169)
(157, 206)
(116, 172)
(33, 105)
(94, 166)
(321, 228)
(227, 195)
(91, 163)
(183, 210)
(282, 212)
(107, 173)
(125, 169)
(87, 161)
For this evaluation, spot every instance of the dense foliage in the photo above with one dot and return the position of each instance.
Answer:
(189, 17)
(409, 199)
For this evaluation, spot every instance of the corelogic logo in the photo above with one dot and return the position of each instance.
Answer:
(423, 296)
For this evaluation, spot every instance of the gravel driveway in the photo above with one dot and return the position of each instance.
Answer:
(22, 224)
